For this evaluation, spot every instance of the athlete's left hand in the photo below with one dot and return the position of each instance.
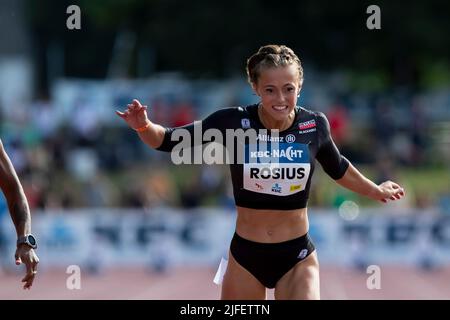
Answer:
(389, 190)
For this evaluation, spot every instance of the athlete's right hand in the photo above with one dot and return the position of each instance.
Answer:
(135, 115)
(27, 256)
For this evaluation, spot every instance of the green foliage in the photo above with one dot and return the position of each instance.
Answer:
(213, 38)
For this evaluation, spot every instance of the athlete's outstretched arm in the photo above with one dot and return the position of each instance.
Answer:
(20, 214)
(135, 116)
(357, 182)
(345, 174)
(161, 138)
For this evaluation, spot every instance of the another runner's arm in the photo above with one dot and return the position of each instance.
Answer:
(14, 194)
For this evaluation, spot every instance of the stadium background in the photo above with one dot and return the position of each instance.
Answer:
(140, 227)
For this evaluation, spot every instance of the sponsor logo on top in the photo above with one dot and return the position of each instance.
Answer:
(268, 138)
(245, 123)
(276, 188)
(260, 187)
(290, 138)
(290, 154)
(307, 125)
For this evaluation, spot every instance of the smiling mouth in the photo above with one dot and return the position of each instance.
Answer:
(279, 108)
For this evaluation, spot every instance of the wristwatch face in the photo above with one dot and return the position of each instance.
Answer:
(31, 240)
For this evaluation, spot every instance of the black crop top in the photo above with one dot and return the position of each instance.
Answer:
(274, 169)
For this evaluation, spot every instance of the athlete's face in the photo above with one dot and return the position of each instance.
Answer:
(278, 88)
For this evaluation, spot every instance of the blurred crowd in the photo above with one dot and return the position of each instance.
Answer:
(83, 158)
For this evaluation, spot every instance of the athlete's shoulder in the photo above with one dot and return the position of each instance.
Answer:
(309, 118)
(248, 110)
(238, 112)
(316, 115)
(233, 111)
(222, 114)
(306, 112)
(229, 118)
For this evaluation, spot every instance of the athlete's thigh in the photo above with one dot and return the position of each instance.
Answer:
(301, 282)
(238, 283)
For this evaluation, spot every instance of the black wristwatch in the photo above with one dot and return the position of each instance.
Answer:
(29, 240)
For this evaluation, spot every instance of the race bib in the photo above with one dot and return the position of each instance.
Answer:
(280, 169)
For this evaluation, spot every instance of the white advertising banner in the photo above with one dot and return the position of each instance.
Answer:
(163, 237)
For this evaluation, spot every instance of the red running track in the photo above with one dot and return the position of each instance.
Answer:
(196, 284)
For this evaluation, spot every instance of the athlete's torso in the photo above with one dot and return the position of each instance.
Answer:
(272, 225)
(276, 172)
(270, 170)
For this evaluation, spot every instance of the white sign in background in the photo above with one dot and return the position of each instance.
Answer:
(105, 237)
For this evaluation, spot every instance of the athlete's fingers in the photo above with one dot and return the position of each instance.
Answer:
(18, 260)
(29, 266)
(28, 279)
(120, 114)
(394, 185)
(134, 107)
(399, 193)
(137, 103)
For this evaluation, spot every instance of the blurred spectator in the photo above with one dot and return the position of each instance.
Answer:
(384, 167)
(161, 189)
(383, 125)
(191, 194)
(85, 120)
(183, 113)
(158, 111)
(99, 191)
(70, 155)
(418, 132)
(44, 117)
(338, 119)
